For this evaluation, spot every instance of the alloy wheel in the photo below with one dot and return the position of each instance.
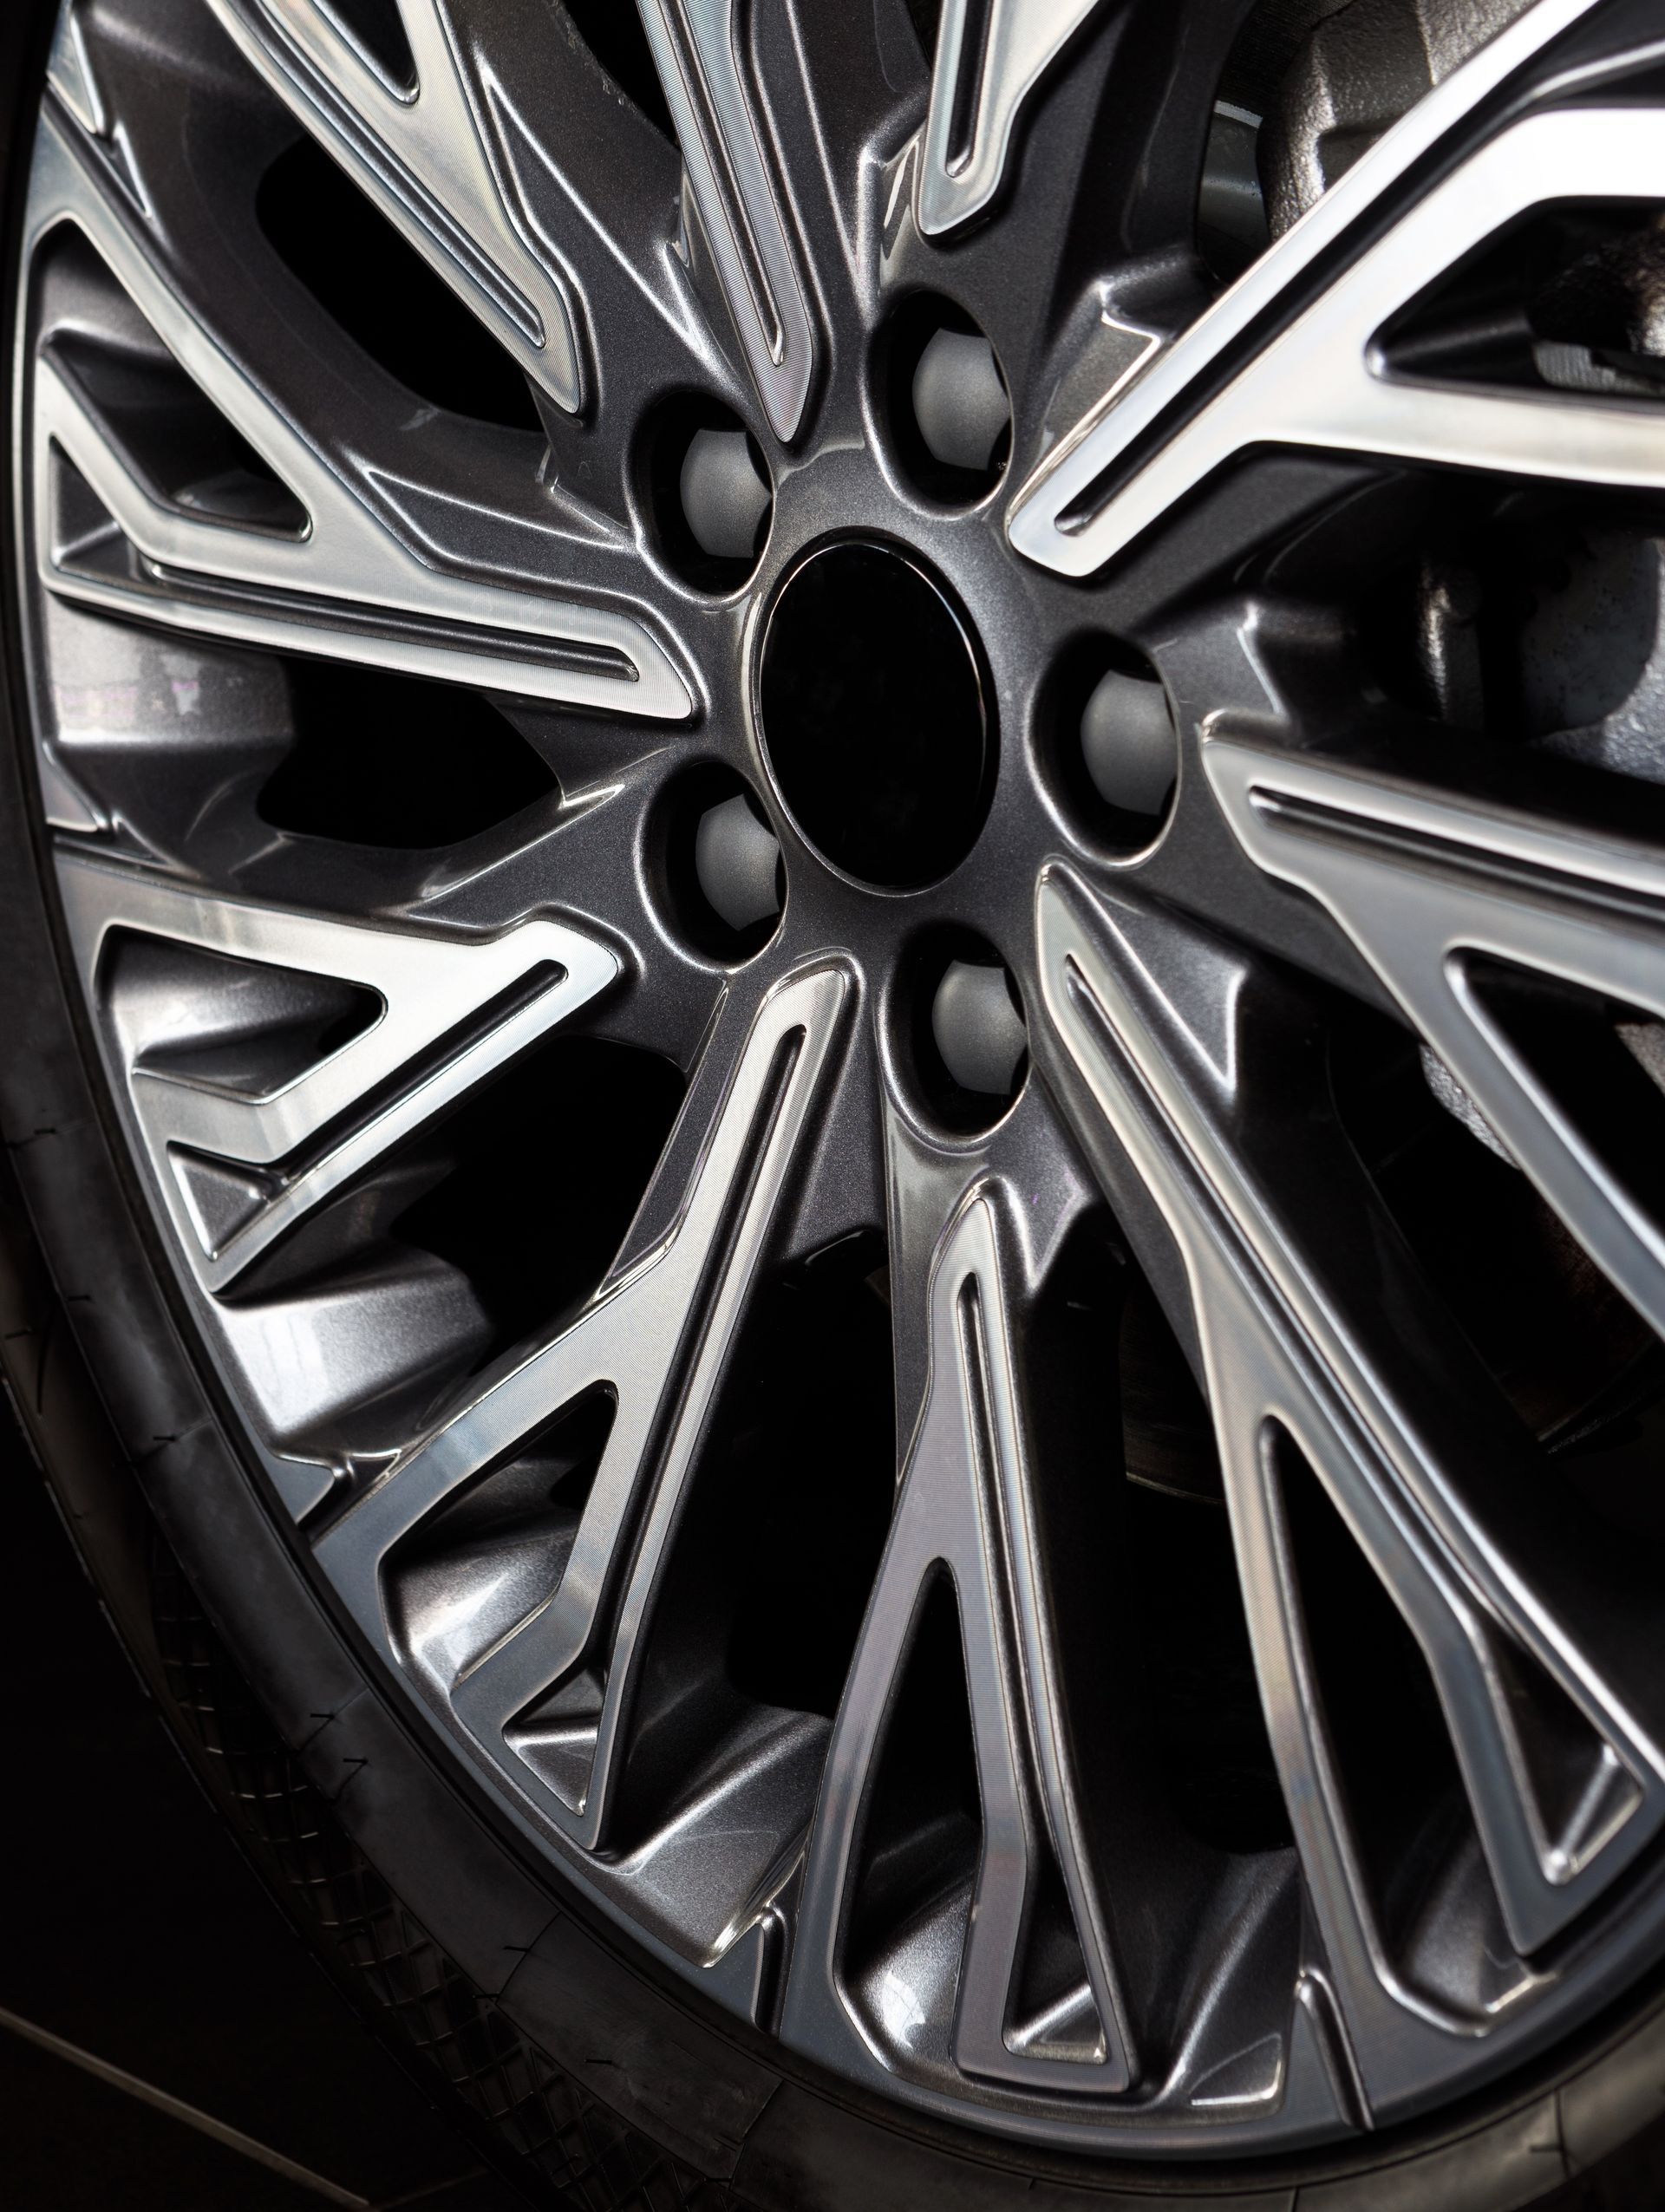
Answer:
(862, 818)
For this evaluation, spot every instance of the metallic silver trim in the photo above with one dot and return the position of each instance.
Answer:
(697, 47)
(1009, 45)
(1419, 880)
(659, 1341)
(428, 159)
(430, 988)
(1281, 1352)
(69, 73)
(965, 1507)
(1319, 383)
(262, 587)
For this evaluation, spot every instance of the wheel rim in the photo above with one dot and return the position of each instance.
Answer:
(1189, 1077)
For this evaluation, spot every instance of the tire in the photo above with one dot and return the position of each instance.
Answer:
(591, 2069)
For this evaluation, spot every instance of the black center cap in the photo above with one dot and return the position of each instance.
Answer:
(873, 715)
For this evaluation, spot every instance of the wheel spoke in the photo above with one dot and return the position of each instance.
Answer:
(701, 50)
(1288, 1349)
(1437, 893)
(331, 579)
(965, 1509)
(1319, 383)
(419, 152)
(657, 1342)
(301, 1137)
(990, 56)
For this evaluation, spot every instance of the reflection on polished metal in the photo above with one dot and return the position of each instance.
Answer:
(965, 1509)
(1286, 1357)
(556, 1513)
(298, 1137)
(699, 47)
(71, 77)
(990, 56)
(657, 1343)
(1319, 382)
(343, 585)
(435, 158)
(1427, 886)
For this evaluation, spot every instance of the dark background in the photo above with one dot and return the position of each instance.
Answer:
(139, 1943)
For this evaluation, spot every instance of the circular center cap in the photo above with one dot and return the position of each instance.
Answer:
(872, 711)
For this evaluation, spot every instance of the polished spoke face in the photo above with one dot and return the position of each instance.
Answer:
(1456, 908)
(965, 1513)
(284, 553)
(536, 1683)
(700, 53)
(861, 814)
(1427, 1478)
(432, 149)
(194, 1104)
(990, 58)
(1323, 381)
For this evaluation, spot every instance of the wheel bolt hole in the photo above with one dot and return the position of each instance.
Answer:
(1111, 743)
(709, 495)
(723, 878)
(949, 410)
(725, 494)
(969, 1042)
(1129, 743)
(737, 863)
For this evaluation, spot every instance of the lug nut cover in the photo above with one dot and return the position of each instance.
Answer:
(977, 1029)
(959, 399)
(1129, 742)
(725, 495)
(737, 861)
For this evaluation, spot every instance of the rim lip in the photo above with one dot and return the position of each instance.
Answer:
(958, 2110)
(760, 624)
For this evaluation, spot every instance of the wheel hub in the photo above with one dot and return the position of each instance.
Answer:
(872, 706)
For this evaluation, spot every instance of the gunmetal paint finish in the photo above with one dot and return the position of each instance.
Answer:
(288, 1021)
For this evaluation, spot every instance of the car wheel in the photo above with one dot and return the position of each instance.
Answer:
(835, 885)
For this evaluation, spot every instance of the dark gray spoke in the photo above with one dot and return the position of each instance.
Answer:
(1320, 383)
(1286, 1353)
(423, 154)
(657, 1340)
(702, 56)
(964, 1509)
(1434, 889)
(330, 576)
(989, 60)
(428, 988)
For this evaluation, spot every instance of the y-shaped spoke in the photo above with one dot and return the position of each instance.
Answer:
(700, 47)
(658, 1343)
(1430, 1480)
(421, 152)
(447, 1013)
(1319, 383)
(965, 1510)
(990, 56)
(327, 576)
(1447, 899)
